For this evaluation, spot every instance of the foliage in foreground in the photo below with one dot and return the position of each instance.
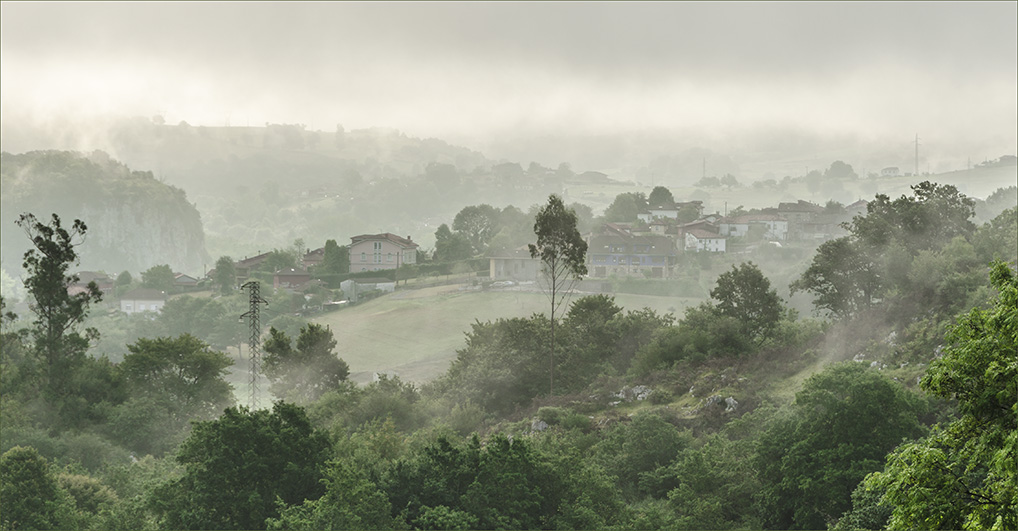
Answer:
(965, 474)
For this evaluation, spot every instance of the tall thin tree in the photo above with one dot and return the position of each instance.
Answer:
(562, 252)
(58, 311)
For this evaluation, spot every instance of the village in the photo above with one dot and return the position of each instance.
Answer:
(647, 248)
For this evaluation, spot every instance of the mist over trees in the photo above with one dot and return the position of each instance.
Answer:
(796, 384)
(654, 421)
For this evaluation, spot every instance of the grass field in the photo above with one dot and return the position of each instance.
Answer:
(415, 333)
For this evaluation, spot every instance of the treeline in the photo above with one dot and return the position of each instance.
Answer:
(657, 421)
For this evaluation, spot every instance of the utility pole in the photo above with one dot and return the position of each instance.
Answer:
(254, 345)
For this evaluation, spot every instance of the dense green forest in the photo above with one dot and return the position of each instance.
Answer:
(894, 406)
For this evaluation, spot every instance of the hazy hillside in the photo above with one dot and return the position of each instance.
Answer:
(134, 220)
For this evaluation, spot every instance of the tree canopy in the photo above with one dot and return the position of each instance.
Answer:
(304, 373)
(964, 475)
(844, 421)
(660, 196)
(183, 372)
(226, 275)
(745, 294)
(158, 277)
(479, 224)
(239, 465)
(626, 207)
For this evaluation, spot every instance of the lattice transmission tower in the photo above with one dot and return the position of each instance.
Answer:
(255, 341)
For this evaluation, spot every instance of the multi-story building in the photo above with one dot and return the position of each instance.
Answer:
(616, 250)
(374, 252)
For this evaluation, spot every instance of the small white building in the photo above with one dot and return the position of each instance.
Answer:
(660, 212)
(142, 300)
(701, 240)
(354, 288)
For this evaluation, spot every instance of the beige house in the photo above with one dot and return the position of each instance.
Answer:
(375, 252)
(516, 265)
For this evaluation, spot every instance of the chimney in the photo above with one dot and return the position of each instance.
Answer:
(409, 238)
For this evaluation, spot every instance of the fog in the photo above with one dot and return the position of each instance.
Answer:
(490, 76)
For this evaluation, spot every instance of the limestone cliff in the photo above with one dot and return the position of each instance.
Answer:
(134, 221)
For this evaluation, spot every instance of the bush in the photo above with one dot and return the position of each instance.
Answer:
(661, 396)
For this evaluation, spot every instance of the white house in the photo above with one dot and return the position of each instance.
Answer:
(701, 240)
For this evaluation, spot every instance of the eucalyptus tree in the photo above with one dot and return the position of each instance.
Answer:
(562, 252)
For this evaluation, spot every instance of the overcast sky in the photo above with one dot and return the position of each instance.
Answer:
(458, 69)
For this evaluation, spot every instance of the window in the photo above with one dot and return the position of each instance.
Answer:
(364, 257)
(378, 246)
(388, 257)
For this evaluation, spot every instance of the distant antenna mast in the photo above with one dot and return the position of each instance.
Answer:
(255, 342)
(917, 154)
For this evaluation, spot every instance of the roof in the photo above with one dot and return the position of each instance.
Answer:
(402, 242)
(750, 218)
(617, 229)
(522, 252)
(84, 277)
(254, 260)
(144, 294)
(704, 235)
(800, 206)
(657, 241)
(692, 224)
(315, 252)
